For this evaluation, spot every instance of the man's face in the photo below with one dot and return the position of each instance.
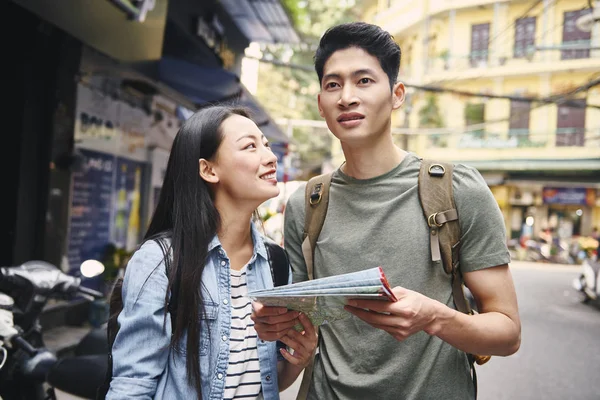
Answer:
(355, 98)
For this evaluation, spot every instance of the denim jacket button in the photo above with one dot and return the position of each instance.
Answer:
(224, 337)
(250, 267)
(225, 301)
(223, 263)
(268, 378)
(220, 375)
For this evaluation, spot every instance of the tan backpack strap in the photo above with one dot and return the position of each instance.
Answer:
(316, 202)
(437, 200)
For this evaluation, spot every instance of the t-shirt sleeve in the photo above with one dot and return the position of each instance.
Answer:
(483, 233)
(293, 229)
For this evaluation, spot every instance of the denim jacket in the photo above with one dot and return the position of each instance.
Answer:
(144, 367)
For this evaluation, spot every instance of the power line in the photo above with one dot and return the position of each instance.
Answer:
(438, 89)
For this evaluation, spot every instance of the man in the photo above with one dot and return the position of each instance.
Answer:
(414, 348)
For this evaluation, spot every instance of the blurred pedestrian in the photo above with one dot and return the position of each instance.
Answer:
(220, 170)
(415, 348)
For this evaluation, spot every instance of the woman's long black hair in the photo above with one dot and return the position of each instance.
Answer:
(186, 214)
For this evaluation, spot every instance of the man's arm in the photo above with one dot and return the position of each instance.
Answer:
(496, 330)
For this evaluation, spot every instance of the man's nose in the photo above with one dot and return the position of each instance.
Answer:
(347, 96)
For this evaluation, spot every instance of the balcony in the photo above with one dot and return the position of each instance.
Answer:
(406, 13)
(580, 148)
(575, 57)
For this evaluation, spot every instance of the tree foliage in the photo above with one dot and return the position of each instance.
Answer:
(288, 92)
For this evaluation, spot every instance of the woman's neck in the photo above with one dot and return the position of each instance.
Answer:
(235, 236)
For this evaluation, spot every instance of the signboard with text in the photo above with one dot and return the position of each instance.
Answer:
(569, 196)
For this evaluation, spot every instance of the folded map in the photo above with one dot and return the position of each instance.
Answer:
(323, 300)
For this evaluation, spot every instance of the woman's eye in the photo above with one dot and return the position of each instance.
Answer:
(250, 146)
(267, 144)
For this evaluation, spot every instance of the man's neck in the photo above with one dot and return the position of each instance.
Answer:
(364, 162)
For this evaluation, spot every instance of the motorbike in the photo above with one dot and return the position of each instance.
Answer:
(28, 370)
(588, 282)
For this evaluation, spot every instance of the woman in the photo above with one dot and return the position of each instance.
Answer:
(220, 170)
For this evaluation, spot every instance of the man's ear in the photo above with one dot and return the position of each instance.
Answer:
(399, 93)
(319, 105)
(207, 171)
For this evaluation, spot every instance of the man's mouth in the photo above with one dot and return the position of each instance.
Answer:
(350, 117)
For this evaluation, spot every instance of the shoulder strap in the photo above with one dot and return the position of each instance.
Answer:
(279, 263)
(437, 200)
(316, 200)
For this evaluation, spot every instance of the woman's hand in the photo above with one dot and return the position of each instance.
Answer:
(303, 344)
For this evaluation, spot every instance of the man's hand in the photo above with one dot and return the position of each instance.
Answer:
(303, 344)
(412, 313)
(272, 323)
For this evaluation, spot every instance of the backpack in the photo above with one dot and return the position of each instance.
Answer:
(437, 201)
(278, 263)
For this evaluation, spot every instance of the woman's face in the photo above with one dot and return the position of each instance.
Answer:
(244, 166)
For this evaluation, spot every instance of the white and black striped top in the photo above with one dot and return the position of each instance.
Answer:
(243, 373)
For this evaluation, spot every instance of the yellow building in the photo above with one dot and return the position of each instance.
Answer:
(541, 158)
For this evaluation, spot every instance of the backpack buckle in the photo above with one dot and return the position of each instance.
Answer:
(437, 170)
(315, 196)
(431, 221)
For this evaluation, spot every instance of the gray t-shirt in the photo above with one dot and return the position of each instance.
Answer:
(379, 222)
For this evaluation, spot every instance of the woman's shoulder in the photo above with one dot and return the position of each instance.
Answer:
(146, 266)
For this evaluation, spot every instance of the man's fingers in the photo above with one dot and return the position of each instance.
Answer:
(380, 306)
(369, 316)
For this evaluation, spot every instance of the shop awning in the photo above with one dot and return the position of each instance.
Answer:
(199, 84)
(263, 21)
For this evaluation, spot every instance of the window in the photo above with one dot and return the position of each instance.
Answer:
(519, 118)
(570, 124)
(474, 115)
(480, 39)
(524, 36)
(573, 36)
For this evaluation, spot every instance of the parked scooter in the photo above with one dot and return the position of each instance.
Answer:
(24, 360)
(588, 283)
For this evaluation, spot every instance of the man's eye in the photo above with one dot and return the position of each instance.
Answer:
(365, 80)
(330, 85)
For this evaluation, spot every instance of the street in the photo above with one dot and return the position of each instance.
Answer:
(559, 357)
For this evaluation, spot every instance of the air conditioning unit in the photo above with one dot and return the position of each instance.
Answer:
(586, 22)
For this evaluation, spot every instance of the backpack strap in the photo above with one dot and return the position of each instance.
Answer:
(316, 200)
(279, 263)
(437, 200)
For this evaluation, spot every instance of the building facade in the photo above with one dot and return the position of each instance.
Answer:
(511, 88)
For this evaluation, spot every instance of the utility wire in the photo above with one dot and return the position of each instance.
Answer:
(439, 89)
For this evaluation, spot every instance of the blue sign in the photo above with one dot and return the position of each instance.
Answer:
(574, 196)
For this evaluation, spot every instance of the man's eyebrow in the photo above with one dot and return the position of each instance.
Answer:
(354, 74)
(250, 135)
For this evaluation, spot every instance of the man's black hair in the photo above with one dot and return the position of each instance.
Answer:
(371, 38)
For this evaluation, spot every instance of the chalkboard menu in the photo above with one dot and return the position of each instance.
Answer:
(91, 200)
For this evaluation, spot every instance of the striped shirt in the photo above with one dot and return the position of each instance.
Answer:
(243, 373)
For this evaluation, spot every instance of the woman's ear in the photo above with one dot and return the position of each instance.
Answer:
(207, 172)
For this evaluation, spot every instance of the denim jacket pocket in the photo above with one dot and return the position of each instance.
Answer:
(208, 326)
(207, 321)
